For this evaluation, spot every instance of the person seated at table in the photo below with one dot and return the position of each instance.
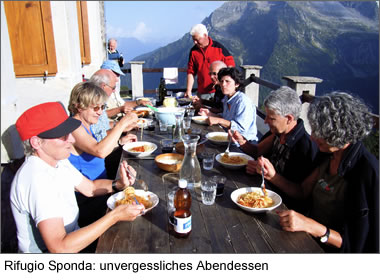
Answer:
(239, 113)
(286, 145)
(215, 103)
(42, 193)
(344, 189)
(87, 101)
(106, 80)
(117, 106)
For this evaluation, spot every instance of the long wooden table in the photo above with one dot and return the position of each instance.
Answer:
(219, 228)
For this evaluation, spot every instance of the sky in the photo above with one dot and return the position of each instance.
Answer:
(155, 22)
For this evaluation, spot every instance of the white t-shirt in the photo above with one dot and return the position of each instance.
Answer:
(40, 192)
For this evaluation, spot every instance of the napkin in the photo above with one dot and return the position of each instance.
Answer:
(171, 75)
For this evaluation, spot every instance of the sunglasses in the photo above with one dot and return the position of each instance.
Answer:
(113, 88)
(97, 108)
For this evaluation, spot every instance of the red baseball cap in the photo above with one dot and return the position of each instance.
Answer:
(47, 120)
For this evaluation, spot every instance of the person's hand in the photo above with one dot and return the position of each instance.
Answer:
(197, 103)
(129, 121)
(269, 171)
(128, 212)
(204, 112)
(188, 94)
(126, 108)
(237, 137)
(251, 167)
(143, 102)
(128, 138)
(291, 220)
(125, 178)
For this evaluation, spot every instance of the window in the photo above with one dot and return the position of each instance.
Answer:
(31, 36)
(83, 32)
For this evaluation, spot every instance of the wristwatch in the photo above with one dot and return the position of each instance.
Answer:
(114, 188)
(325, 237)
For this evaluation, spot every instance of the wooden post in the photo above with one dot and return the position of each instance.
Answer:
(137, 79)
(252, 90)
(303, 85)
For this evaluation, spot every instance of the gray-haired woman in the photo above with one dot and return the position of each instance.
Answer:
(344, 188)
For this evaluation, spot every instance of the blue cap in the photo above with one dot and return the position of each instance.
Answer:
(112, 65)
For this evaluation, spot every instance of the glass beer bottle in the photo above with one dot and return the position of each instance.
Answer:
(182, 214)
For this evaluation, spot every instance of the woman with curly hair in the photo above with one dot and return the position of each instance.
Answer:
(344, 189)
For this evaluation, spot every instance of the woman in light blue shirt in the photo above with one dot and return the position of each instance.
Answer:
(239, 113)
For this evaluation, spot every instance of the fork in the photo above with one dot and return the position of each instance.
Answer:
(227, 151)
(263, 182)
(139, 181)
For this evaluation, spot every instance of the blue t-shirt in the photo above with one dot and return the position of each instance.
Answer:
(241, 112)
(90, 166)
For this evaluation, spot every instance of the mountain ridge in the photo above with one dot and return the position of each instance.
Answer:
(335, 41)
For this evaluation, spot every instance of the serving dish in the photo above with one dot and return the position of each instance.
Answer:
(170, 162)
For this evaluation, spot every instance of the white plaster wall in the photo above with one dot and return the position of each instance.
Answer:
(19, 94)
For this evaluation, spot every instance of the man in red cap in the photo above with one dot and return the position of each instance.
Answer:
(42, 193)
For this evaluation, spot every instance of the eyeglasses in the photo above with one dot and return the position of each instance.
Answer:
(213, 73)
(97, 108)
(113, 88)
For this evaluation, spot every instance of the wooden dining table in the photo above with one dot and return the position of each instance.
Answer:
(219, 228)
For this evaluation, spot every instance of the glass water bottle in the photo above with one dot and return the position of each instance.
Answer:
(191, 169)
(178, 131)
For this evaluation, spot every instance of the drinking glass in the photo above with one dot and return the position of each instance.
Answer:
(208, 161)
(163, 126)
(220, 181)
(167, 145)
(186, 123)
(208, 192)
(190, 112)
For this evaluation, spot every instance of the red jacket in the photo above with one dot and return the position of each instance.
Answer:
(200, 60)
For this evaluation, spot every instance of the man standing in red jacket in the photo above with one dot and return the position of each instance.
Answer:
(204, 52)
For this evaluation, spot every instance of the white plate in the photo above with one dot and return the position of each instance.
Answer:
(276, 199)
(141, 122)
(120, 195)
(230, 165)
(131, 145)
(210, 136)
(200, 119)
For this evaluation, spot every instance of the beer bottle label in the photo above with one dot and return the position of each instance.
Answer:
(182, 225)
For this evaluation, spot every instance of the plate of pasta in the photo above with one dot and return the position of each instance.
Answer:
(128, 195)
(252, 199)
(233, 160)
(218, 138)
(140, 148)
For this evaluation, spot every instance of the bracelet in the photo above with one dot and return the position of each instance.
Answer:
(114, 188)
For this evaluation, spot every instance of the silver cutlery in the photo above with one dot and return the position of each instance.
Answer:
(142, 183)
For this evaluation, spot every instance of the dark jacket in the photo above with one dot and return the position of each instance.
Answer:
(361, 228)
(295, 163)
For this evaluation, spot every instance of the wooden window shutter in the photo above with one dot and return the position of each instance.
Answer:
(84, 35)
(31, 36)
